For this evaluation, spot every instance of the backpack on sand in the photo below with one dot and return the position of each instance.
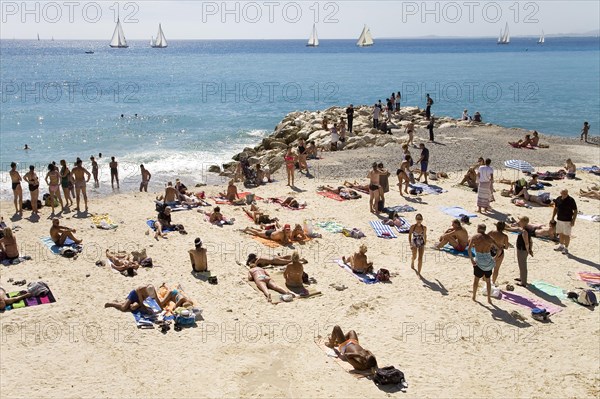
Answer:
(389, 376)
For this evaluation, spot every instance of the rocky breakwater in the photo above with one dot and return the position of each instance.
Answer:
(307, 125)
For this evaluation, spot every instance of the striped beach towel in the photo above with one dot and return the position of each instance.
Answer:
(405, 227)
(382, 230)
(589, 277)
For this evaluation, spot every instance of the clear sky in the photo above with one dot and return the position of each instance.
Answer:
(72, 19)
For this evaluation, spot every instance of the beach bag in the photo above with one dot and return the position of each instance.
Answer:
(38, 288)
(185, 317)
(383, 275)
(389, 376)
(146, 262)
(67, 252)
(587, 298)
(540, 314)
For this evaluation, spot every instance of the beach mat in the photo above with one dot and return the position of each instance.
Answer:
(457, 212)
(529, 303)
(365, 278)
(330, 226)
(28, 302)
(143, 320)
(333, 196)
(549, 289)
(405, 227)
(449, 249)
(399, 209)
(334, 354)
(277, 278)
(55, 249)
(265, 242)
(150, 224)
(103, 222)
(589, 277)
(381, 229)
(428, 188)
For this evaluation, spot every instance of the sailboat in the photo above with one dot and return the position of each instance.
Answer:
(118, 37)
(542, 39)
(161, 41)
(313, 40)
(504, 38)
(38, 37)
(365, 38)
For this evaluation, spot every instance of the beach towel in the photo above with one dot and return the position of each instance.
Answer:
(337, 358)
(331, 195)
(28, 302)
(549, 289)
(382, 230)
(589, 277)
(47, 241)
(529, 303)
(428, 188)
(457, 212)
(404, 227)
(146, 320)
(330, 226)
(399, 209)
(282, 199)
(225, 201)
(277, 278)
(103, 222)
(151, 222)
(590, 169)
(367, 278)
(448, 248)
(484, 194)
(266, 242)
(590, 218)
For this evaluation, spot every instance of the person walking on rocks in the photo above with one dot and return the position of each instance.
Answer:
(350, 115)
(430, 128)
(376, 113)
(398, 97)
(428, 108)
(584, 131)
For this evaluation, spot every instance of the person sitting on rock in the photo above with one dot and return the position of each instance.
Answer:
(383, 126)
(358, 261)
(477, 117)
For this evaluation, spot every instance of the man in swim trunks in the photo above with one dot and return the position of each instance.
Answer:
(135, 300)
(457, 236)
(198, 257)
(82, 176)
(232, 194)
(171, 194)
(281, 236)
(114, 172)
(15, 179)
(483, 263)
(358, 261)
(59, 234)
(145, 179)
(374, 186)
(264, 283)
(348, 346)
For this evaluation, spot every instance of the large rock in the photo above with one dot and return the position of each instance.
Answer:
(384, 139)
(214, 169)
(447, 125)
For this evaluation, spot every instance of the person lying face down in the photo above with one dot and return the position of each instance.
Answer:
(349, 347)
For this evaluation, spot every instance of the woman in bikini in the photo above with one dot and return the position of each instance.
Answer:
(254, 260)
(289, 166)
(122, 263)
(65, 182)
(417, 238)
(404, 174)
(8, 245)
(348, 346)
(502, 240)
(34, 184)
(53, 181)
(264, 283)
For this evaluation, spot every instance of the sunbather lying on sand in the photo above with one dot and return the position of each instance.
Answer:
(538, 230)
(264, 283)
(122, 262)
(343, 192)
(357, 186)
(260, 218)
(522, 143)
(254, 260)
(358, 261)
(5, 300)
(298, 234)
(393, 221)
(541, 199)
(192, 200)
(171, 299)
(135, 300)
(281, 236)
(348, 346)
(593, 193)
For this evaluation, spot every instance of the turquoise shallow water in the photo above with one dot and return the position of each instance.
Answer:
(199, 102)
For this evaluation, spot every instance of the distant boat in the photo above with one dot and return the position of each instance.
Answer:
(313, 40)
(542, 38)
(38, 37)
(365, 38)
(161, 41)
(52, 39)
(118, 37)
(504, 38)
(89, 52)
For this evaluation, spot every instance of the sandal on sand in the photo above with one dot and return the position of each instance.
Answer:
(510, 287)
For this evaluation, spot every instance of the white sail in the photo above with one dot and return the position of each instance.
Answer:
(161, 41)
(151, 41)
(500, 37)
(504, 38)
(365, 38)
(118, 37)
(38, 37)
(313, 40)
(542, 39)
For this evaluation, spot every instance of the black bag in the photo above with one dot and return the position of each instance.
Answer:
(388, 376)
(146, 262)
(383, 275)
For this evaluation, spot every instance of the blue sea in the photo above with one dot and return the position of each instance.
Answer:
(197, 103)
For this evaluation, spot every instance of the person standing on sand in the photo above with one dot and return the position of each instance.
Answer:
(417, 238)
(34, 184)
(410, 130)
(289, 159)
(428, 107)
(82, 176)
(145, 179)
(565, 211)
(502, 240)
(424, 160)
(53, 182)
(430, 128)
(350, 116)
(374, 187)
(584, 131)
(483, 263)
(114, 172)
(398, 97)
(198, 257)
(65, 182)
(524, 248)
(485, 195)
(15, 179)
(376, 113)
(95, 171)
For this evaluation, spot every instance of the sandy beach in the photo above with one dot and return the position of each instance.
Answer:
(446, 344)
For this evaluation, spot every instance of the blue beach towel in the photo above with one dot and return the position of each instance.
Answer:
(549, 289)
(367, 278)
(145, 320)
(457, 212)
(428, 188)
(150, 224)
(399, 209)
(382, 230)
(55, 249)
(448, 248)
